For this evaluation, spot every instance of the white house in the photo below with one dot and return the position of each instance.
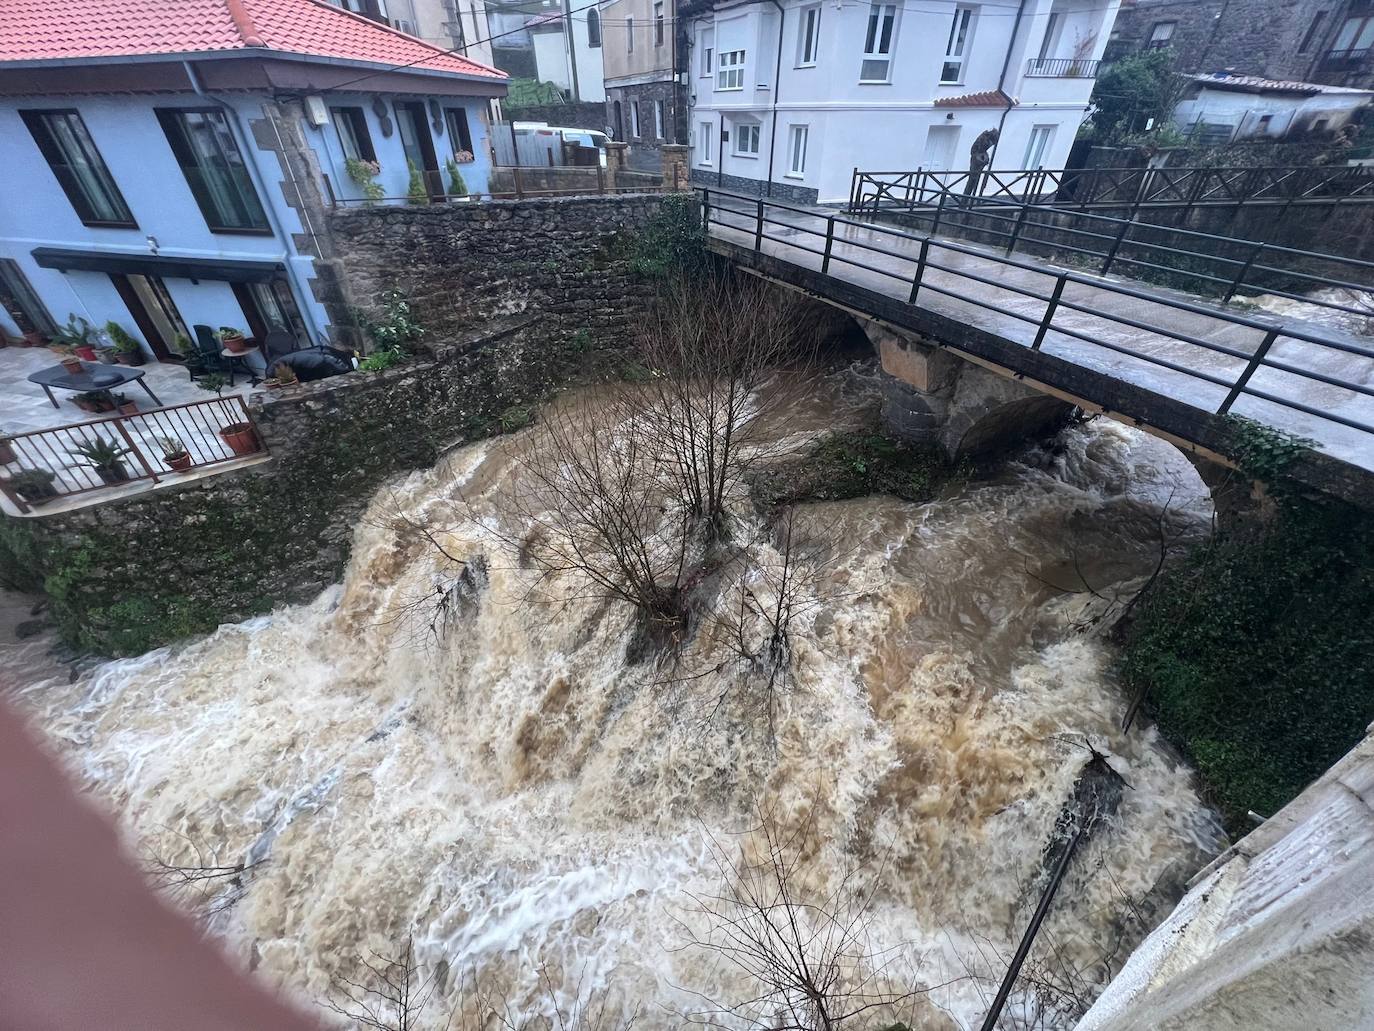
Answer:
(1225, 107)
(579, 71)
(789, 101)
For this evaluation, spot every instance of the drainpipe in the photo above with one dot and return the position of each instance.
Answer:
(1002, 82)
(777, 85)
(245, 142)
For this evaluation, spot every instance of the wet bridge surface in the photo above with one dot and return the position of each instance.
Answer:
(1162, 359)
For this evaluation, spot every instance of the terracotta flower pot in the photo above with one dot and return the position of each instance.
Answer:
(73, 365)
(241, 438)
(85, 352)
(179, 464)
(129, 408)
(32, 338)
(236, 345)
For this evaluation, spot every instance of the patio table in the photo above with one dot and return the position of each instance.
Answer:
(91, 377)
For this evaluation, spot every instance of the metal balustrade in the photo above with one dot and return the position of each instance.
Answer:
(196, 425)
(821, 242)
(1061, 68)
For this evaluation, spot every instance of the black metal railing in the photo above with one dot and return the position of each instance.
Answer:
(1345, 60)
(1206, 264)
(1136, 188)
(1061, 68)
(1290, 378)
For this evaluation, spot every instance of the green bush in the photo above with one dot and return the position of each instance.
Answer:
(673, 242)
(855, 465)
(1258, 654)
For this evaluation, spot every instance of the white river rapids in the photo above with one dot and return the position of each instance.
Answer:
(538, 815)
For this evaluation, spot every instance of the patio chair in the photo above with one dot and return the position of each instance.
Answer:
(206, 357)
(277, 343)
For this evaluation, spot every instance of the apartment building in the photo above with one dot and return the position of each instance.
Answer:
(787, 99)
(644, 101)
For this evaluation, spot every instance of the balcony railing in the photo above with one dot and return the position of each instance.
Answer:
(1061, 68)
(41, 466)
(1346, 60)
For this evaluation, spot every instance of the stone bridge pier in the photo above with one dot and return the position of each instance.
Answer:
(934, 398)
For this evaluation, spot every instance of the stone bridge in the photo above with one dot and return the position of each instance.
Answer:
(985, 350)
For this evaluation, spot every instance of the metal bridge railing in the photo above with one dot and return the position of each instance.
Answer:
(1203, 263)
(912, 259)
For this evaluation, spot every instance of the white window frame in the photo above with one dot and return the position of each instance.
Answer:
(708, 41)
(1044, 133)
(634, 119)
(708, 131)
(1048, 41)
(958, 46)
(658, 23)
(808, 35)
(659, 120)
(1158, 42)
(798, 136)
(730, 70)
(750, 131)
(629, 34)
(881, 13)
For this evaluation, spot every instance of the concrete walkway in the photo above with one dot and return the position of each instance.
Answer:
(973, 286)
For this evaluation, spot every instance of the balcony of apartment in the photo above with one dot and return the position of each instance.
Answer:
(1061, 68)
(1345, 62)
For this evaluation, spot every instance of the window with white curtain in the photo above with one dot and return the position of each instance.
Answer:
(958, 47)
(878, 40)
(796, 149)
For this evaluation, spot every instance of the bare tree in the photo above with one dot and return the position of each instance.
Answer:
(713, 342)
(201, 883)
(808, 953)
(389, 994)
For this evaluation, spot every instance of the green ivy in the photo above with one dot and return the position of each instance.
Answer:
(1260, 451)
(673, 242)
(1258, 653)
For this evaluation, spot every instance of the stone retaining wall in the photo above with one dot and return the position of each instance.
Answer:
(566, 258)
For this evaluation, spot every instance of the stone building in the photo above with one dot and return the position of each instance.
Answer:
(645, 106)
(1320, 41)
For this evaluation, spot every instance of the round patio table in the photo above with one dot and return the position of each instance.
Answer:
(91, 377)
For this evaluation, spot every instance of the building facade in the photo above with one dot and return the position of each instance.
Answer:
(461, 25)
(1220, 109)
(788, 100)
(570, 59)
(640, 58)
(169, 181)
(1320, 41)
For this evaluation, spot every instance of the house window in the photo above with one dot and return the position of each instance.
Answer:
(747, 140)
(658, 120)
(796, 150)
(1040, 138)
(730, 74)
(70, 152)
(20, 302)
(958, 46)
(1161, 35)
(658, 24)
(1307, 40)
(808, 36)
(706, 134)
(1355, 37)
(704, 48)
(209, 156)
(593, 29)
(459, 134)
(351, 125)
(634, 118)
(629, 35)
(877, 63)
(1051, 36)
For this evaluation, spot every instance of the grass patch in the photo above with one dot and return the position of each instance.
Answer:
(855, 465)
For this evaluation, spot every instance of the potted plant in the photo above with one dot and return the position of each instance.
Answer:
(33, 485)
(125, 405)
(457, 185)
(77, 337)
(105, 457)
(233, 340)
(105, 355)
(71, 363)
(364, 174)
(174, 453)
(94, 401)
(127, 350)
(239, 437)
(286, 376)
(32, 338)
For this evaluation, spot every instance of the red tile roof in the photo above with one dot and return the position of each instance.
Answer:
(38, 30)
(988, 98)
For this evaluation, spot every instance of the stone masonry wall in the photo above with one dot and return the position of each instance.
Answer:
(140, 571)
(566, 258)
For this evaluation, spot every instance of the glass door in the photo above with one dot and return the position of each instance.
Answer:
(418, 144)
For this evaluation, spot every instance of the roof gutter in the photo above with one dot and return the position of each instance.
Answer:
(1002, 81)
